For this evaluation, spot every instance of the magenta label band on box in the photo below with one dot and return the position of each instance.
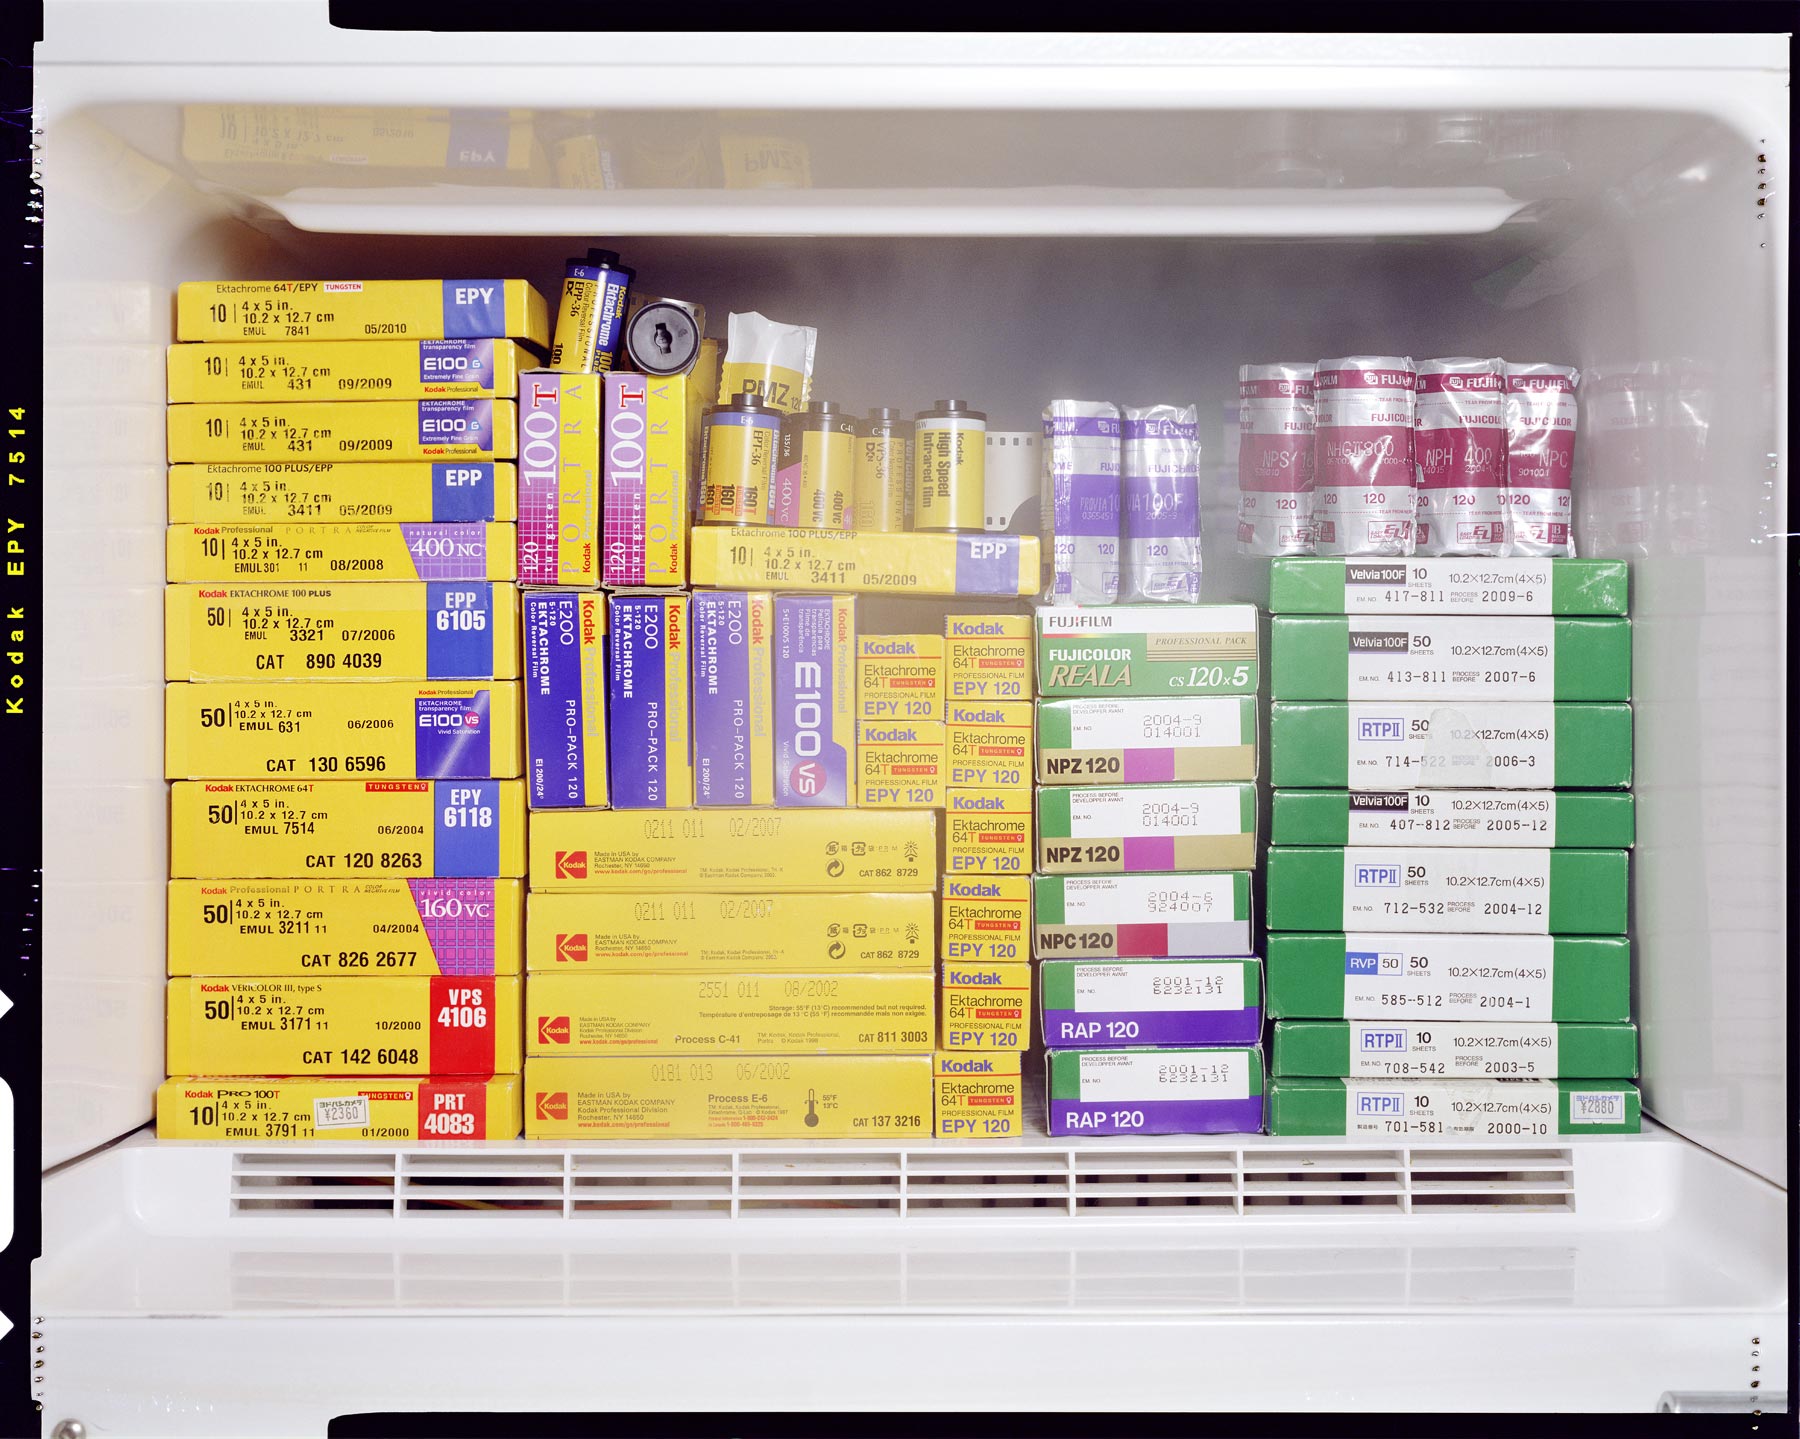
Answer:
(624, 462)
(540, 456)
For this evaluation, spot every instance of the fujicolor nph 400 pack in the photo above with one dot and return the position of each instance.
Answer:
(1470, 1049)
(286, 553)
(748, 851)
(423, 1024)
(648, 452)
(985, 918)
(336, 730)
(361, 310)
(1511, 978)
(1376, 745)
(431, 630)
(649, 759)
(1146, 829)
(988, 745)
(815, 700)
(730, 1012)
(1141, 916)
(343, 491)
(1106, 1004)
(987, 659)
(379, 927)
(1155, 1091)
(344, 370)
(402, 1110)
(733, 557)
(1417, 890)
(1147, 650)
(578, 933)
(344, 430)
(1448, 657)
(1146, 741)
(1496, 818)
(987, 831)
(1464, 586)
(900, 764)
(370, 829)
(899, 677)
(695, 1097)
(559, 479)
(565, 698)
(980, 1094)
(985, 1006)
(1453, 1109)
(733, 638)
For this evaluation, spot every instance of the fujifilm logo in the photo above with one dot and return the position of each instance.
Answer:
(1377, 876)
(1385, 728)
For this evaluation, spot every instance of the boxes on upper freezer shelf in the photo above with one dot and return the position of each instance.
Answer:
(1453, 1109)
(900, 764)
(1457, 586)
(1147, 650)
(899, 677)
(1495, 818)
(1448, 657)
(344, 430)
(435, 630)
(1141, 916)
(985, 918)
(372, 829)
(650, 760)
(1449, 977)
(747, 1097)
(559, 479)
(1474, 1049)
(720, 932)
(294, 554)
(361, 310)
(1103, 1004)
(979, 1095)
(987, 658)
(987, 831)
(1146, 828)
(565, 698)
(988, 745)
(336, 729)
(742, 850)
(815, 700)
(648, 456)
(1147, 741)
(1420, 890)
(733, 720)
(984, 1006)
(220, 373)
(337, 1025)
(735, 557)
(728, 1012)
(1155, 1091)
(343, 492)
(376, 927)
(402, 1110)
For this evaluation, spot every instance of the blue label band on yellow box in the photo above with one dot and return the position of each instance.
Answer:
(565, 699)
(648, 702)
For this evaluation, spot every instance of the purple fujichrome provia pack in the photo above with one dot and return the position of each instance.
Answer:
(1155, 1091)
(1459, 453)
(1081, 470)
(1275, 459)
(1160, 481)
(1363, 482)
(1540, 456)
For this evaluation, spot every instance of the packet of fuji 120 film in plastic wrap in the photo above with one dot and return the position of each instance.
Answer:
(1363, 479)
(1081, 472)
(1540, 456)
(1275, 459)
(1459, 453)
(770, 360)
(1160, 480)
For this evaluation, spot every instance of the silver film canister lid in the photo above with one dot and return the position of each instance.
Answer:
(662, 338)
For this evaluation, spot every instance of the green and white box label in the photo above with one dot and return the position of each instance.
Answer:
(1448, 587)
(1456, 1109)
(1167, 724)
(1163, 988)
(1511, 658)
(1510, 818)
(1453, 1050)
(1454, 745)
(1138, 1076)
(1448, 977)
(1171, 810)
(1493, 891)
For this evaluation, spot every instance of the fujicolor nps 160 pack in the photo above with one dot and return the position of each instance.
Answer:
(1146, 829)
(559, 479)
(985, 918)
(1147, 741)
(987, 659)
(1141, 916)
(649, 758)
(1155, 1091)
(402, 1110)
(343, 492)
(1453, 1109)
(985, 1006)
(733, 635)
(286, 553)
(988, 745)
(344, 430)
(815, 700)
(1459, 586)
(1470, 1049)
(361, 310)
(221, 373)
(980, 1094)
(900, 764)
(335, 730)
(987, 831)
(565, 698)
(1103, 1004)
(1147, 650)
(733, 557)
(899, 677)
(245, 927)
(1496, 818)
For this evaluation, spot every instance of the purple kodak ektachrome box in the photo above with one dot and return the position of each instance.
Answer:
(815, 700)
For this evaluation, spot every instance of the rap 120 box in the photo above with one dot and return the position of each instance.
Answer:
(402, 1110)
(987, 658)
(1468, 1049)
(565, 698)
(1453, 1108)
(343, 492)
(559, 479)
(295, 553)
(900, 764)
(899, 677)
(1458, 586)
(1495, 818)
(1141, 916)
(985, 918)
(815, 700)
(980, 1094)
(733, 557)
(1146, 829)
(222, 372)
(344, 430)
(988, 746)
(984, 1006)
(276, 927)
(1147, 741)
(1147, 650)
(1106, 1004)
(987, 831)
(1155, 1091)
(733, 718)
(360, 309)
(649, 759)
(423, 1024)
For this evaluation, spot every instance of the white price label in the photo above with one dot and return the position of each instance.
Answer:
(1426, 891)
(1448, 977)
(1472, 746)
(1447, 586)
(348, 1111)
(1512, 819)
(1165, 1074)
(1596, 1106)
(1164, 988)
(1451, 658)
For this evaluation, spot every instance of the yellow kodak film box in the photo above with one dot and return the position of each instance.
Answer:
(345, 370)
(243, 927)
(739, 557)
(984, 919)
(559, 479)
(343, 492)
(729, 1012)
(695, 1097)
(418, 630)
(987, 831)
(987, 657)
(988, 745)
(387, 829)
(980, 1094)
(899, 677)
(341, 729)
(426, 139)
(565, 698)
(751, 851)
(650, 758)
(361, 310)
(578, 933)
(985, 1006)
(416, 1024)
(287, 553)
(344, 430)
(900, 764)
(404, 1110)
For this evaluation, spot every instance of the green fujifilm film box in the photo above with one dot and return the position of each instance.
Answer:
(1494, 818)
(1467, 1049)
(1453, 1108)
(1146, 829)
(1147, 650)
(1469, 586)
(1146, 741)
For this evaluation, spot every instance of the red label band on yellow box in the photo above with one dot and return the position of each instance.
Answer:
(988, 658)
(403, 1110)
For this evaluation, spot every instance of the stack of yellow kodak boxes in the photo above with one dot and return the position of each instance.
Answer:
(343, 717)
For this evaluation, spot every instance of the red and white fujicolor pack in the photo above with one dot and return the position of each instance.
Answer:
(1275, 459)
(1459, 453)
(1363, 481)
(1540, 456)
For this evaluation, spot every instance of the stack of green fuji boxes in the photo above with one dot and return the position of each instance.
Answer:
(1450, 750)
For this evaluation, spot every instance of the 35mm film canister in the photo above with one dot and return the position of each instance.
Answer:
(882, 473)
(949, 489)
(816, 471)
(591, 318)
(741, 440)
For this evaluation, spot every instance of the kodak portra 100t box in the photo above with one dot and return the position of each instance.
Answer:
(1146, 829)
(344, 430)
(1155, 1091)
(361, 310)
(1495, 818)
(296, 553)
(1453, 1109)
(344, 370)
(1457, 586)
(1147, 650)
(1141, 916)
(1146, 741)
(342, 491)
(1474, 1049)
(402, 1109)
(559, 479)
(980, 1095)
(565, 698)
(1100, 1004)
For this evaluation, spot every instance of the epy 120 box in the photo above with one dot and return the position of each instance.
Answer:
(899, 677)
(988, 746)
(985, 1006)
(985, 918)
(987, 831)
(900, 764)
(980, 1094)
(987, 658)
